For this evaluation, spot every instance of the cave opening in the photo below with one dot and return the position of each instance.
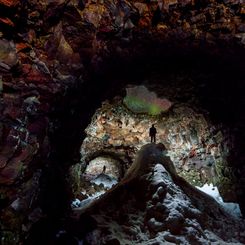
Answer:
(197, 81)
(199, 87)
(120, 127)
(200, 99)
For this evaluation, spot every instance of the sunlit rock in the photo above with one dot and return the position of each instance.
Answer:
(95, 13)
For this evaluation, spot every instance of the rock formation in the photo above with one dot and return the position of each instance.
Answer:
(198, 149)
(165, 210)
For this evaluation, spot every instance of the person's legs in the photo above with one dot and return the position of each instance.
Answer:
(151, 138)
(154, 138)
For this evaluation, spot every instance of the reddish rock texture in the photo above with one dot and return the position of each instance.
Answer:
(49, 46)
(9, 3)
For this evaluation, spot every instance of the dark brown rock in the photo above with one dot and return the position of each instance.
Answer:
(9, 3)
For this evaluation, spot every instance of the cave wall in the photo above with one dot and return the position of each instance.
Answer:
(50, 49)
(198, 148)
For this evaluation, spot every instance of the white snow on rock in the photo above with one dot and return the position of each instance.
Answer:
(76, 203)
(154, 206)
(232, 208)
(211, 190)
(86, 202)
(105, 180)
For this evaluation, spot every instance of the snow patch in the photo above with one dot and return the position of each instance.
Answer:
(211, 190)
(86, 202)
(105, 180)
(102, 179)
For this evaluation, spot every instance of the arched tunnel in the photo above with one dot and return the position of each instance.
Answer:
(78, 97)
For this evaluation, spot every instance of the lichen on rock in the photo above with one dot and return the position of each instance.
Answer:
(140, 100)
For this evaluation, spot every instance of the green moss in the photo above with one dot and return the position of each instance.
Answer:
(192, 176)
(154, 110)
(225, 180)
(141, 106)
(218, 167)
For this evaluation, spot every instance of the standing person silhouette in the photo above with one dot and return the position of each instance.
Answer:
(152, 133)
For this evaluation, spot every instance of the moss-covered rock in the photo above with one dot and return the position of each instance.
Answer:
(192, 176)
(225, 181)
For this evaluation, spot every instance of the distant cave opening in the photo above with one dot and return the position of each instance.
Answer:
(100, 175)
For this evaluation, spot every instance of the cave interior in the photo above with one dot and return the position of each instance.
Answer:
(80, 89)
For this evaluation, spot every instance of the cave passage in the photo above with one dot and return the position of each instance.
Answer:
(120, 127)
(100, 175)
